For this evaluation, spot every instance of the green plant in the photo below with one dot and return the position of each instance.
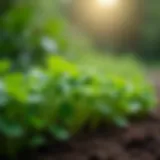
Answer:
(60, 100)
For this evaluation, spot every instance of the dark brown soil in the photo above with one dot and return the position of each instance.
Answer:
(139, 141)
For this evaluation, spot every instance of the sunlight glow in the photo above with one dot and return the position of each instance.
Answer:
(109, 3)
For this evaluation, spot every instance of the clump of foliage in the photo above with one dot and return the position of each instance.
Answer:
(59, 100)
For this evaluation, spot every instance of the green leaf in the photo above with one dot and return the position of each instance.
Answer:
(16, 86)
(59, 132)
(3, 95)
(49, 45)
(11, 130)
(120, 121)
(103, 109)
(58, 65)
(66, 111)
(4, 66)
(37, 123)
(37, 140)
(134, 107)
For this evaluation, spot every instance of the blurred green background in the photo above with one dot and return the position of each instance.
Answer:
(128, 26)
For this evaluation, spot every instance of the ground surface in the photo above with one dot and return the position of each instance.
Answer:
(139, 141)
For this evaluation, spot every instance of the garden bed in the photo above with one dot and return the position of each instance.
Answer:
(139, 141)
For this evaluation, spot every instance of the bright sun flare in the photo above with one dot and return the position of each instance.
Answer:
(107, 2)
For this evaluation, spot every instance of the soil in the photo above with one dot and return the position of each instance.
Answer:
(139, 141)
